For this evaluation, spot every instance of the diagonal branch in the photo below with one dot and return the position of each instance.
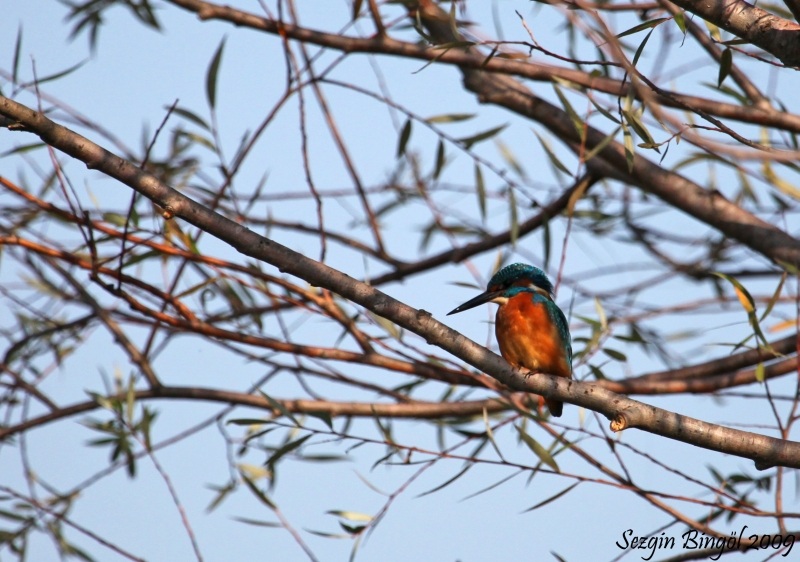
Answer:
(777, 36)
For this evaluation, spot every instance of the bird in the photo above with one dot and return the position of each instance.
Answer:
(530, 328)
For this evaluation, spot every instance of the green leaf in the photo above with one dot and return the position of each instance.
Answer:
(468, 142)
(211, 75)
(61, 74)
(641, 47)
(480, 190)
(551, 498)
(257, 492)
(641, 26)
(680, 21)
(577, 122)
(287, 448)
(601, 145)
(247, 421)
(614, 354)
(749, 305)
(22, 149)
(350, 515)
(490, 434)
(441, 159)
(510, 158)
(742, 294)
(450, 118)
(775, 296)
(628, 142)
(190, 116)
(638, 126)
(275, 405)
(514, 219)
(552, 156)
(17, 52)
(761, 375)
(725, 63)
(543, 454)
(256, 522)
(405, 134)
(601, 314)
(447, 482)
(390, 327)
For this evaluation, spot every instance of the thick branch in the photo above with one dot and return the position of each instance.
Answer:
(777, 36)
(625, 412)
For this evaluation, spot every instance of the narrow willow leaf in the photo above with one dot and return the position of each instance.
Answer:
(638, 126)
(405, 134)
(543, 454)
(256, 522)
(447, 482)
(552, 498)
(761, 374)
(783, 186)
(601, 314)
(603, 111)
(629, 150)
(490, 433)
(742, 294)
(17, 52)
(441, 158)
(616, 355)
(350, 515)
(61, 74)
(510, 158)
(390, 327)
(212, 74)
(284, 450)
(546, 242)
(450, 118)
(748, 304)
(641, 47)
(480, 190)
(680, 21)
(257, 492)
(641, 26)
(775, 296)
(275, 405)
(190, 116)
(725, 63)
(468, 142)
(713, 30)
(577, 122)
(22, 149)
(600, 145)
(552, 156)
(514, 218)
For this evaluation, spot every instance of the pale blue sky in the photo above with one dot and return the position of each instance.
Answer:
(136, 73)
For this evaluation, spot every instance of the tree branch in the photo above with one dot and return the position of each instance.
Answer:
(777, 36)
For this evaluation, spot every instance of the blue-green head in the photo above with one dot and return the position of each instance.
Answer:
(509, 281)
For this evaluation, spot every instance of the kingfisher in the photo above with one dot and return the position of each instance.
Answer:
(530, 328)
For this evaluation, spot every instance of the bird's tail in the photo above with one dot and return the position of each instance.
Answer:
(556, 407)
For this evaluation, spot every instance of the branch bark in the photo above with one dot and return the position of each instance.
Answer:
(777, 36)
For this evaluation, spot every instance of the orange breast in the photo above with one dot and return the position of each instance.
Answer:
(528, 338)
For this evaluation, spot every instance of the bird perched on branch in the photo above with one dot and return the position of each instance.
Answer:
(531, 330)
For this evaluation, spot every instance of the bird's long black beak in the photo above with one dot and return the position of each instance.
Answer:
(484, 297)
